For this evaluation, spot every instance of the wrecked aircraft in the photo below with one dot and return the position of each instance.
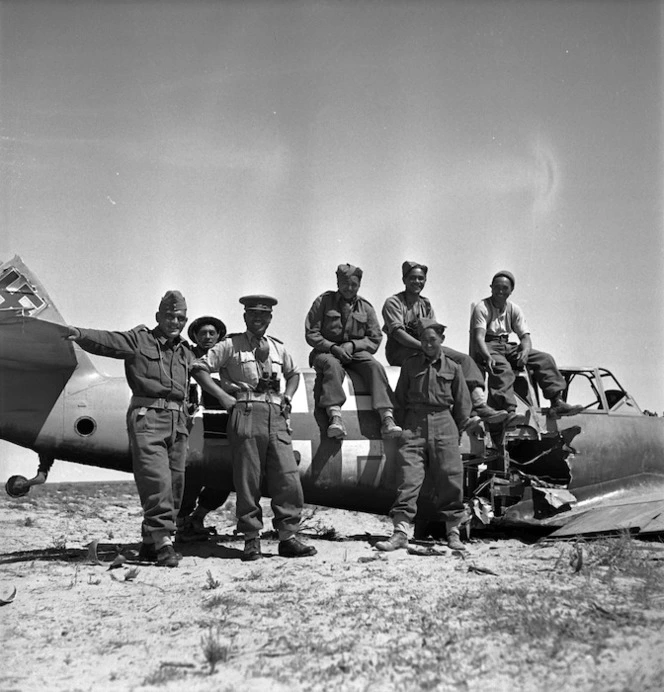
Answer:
(601, 470)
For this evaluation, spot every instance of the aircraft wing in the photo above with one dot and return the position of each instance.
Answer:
(643, 515)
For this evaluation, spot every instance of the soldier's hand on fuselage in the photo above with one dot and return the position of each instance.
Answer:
(73, 333)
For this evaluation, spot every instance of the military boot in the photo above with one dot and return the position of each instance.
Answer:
(336, 428)
(454, 539)
(292, 547)
(396, 541)
(562, 408)
(252, 550)
(388, 427)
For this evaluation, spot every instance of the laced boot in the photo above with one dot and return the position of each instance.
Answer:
(562, 408)
(388, 427)
(336, 428)
(396, 541)
(292, 547)
(252, 550)
(454, 539)
(487, 413)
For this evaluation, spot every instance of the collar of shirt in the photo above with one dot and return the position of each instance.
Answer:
(341, 299)
(163, 339)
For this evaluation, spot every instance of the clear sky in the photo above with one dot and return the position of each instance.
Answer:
(225, 148)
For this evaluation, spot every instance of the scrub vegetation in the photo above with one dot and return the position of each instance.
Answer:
(512, 614)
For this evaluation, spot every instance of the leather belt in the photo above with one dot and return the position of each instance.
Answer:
(497, 337)
(160, 404)
(259, 397)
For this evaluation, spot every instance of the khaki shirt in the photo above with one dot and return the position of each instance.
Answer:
(153, 368)
(437, 384)
(234, 358)
(323, 327)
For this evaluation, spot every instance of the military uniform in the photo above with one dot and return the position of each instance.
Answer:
(499, 325)
(157, 372)
(397, 314)
(204, 488)
(436, 405)
(327, 325)
(258, 432)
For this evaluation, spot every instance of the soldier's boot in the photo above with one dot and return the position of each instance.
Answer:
(388, 427)
(396, 541)
(454, 538)
(252, 550)
(336, 428)
(486, 413)
(167, 557)
(292, 547)
(562, 408)
(193, 530)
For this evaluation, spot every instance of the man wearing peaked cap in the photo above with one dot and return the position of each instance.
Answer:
(401, 315)
(343, 330)
(258, 302)
(492, 322)
(157, 363)
(258, 380)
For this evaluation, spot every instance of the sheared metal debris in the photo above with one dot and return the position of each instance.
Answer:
(427, 551)
(92, 557)
(481, 570)
(482, 509)
(119, 560)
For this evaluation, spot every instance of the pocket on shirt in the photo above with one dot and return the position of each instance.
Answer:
(332, 322)
(359, 323)
(150, 363)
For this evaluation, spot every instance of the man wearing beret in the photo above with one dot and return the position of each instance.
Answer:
(157, 366)
(434, 405)
(343, 330)
(492, 322)
(401, 315)
(204, 487)
(259, 380)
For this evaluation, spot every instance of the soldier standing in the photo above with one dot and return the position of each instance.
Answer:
(254, 368)
(205, 488)
(433, 399)
(157, 364)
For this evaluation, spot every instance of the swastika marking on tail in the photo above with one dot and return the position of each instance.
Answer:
(17, 295)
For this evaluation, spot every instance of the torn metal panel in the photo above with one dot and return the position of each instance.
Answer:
(646, 517)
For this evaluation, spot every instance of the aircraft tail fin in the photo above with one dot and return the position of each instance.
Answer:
(23, 296)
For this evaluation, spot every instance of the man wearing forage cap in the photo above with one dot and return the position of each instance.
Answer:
(157, 364)
(401, 314)
(434, 406)
(343, 330)
(492, 322)
(259, 379)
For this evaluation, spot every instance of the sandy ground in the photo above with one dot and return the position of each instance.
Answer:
(513, 614)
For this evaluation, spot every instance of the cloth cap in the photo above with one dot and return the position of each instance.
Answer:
(407, 268)
(348, 270)
(172, 301)
(428, 323)
(258, 302)
(506, 274)
(202, 321)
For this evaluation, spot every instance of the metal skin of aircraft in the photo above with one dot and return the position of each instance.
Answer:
(600, 470)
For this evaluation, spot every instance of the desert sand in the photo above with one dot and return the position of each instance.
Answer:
(516, 612)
